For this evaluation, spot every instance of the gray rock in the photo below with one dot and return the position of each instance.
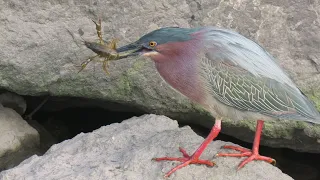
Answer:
(18, 140)
(124, 151)
(40, 54)
(13, 101)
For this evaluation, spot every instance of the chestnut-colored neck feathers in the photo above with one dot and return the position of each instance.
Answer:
(177, 63)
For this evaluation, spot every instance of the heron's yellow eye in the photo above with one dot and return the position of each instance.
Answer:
(152, 43)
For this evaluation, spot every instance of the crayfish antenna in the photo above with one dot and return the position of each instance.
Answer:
(82, 40)
(74, 39)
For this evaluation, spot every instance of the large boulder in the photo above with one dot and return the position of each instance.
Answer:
(124, 151)
(18, 140)
(40, 54)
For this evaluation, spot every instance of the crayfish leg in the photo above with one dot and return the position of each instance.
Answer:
(105, 65)
(113, 44)
(98, 28)
(85, 63)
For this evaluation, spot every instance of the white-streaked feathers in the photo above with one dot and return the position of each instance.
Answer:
(226, 46)
(245, 53)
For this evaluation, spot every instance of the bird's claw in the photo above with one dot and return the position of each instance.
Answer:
(185, 160)
(244, 152)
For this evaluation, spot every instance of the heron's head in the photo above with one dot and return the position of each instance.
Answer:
(165, 44)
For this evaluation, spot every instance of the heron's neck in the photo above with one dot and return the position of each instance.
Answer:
(177, 63)
(182, 75)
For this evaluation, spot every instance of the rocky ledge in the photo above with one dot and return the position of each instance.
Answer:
(124, 151)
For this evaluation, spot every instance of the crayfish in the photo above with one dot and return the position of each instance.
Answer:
(103, 49)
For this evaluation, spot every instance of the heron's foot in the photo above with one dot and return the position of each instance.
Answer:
(244, 152)
(185, 161)
(194, 158)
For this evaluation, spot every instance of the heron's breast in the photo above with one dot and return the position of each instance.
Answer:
(183, 76)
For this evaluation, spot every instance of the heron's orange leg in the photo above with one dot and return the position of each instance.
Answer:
(194, 159)
(252, 155)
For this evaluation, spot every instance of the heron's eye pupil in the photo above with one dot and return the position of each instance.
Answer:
(152, 43)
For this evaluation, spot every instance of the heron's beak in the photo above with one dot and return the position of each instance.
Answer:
(132, 49)
(135, 49)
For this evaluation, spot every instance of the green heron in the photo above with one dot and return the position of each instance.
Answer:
(228, 75)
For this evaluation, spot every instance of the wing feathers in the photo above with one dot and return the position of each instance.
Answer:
(243, 75)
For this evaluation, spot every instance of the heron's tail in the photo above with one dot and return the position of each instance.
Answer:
(316, 121)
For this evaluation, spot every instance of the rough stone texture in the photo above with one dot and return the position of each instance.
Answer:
(39, 56)
(124, 151)
(13, 101)
(18, 140)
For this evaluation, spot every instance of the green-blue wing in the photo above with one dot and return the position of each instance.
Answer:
(243, 75)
